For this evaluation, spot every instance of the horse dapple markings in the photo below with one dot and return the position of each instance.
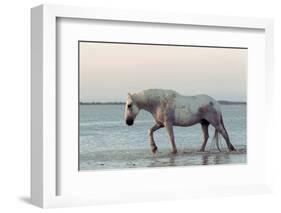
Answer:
(169, 109)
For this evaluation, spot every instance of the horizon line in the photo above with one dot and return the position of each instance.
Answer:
(123, 102)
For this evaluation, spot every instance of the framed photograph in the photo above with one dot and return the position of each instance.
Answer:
(129, 106)
(103, 107)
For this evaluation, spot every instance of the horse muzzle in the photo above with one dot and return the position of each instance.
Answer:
(129, 122)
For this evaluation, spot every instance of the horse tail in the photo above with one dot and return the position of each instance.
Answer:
(216, 138)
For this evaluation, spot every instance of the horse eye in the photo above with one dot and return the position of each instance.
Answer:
(129, 105)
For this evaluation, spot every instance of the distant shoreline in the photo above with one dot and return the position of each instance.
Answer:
(222, 102)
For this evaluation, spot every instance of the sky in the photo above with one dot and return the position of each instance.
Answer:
(109, 71)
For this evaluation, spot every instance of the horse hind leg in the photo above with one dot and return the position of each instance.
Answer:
(205, 136)
(224, 133)
(217, 123)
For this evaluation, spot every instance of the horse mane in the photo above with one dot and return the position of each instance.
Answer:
(159, 91)
(154, 93)
(150, 98)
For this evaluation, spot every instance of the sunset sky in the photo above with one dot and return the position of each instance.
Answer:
(108, 71)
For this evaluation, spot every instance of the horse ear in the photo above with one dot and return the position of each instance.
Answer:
(131, 96)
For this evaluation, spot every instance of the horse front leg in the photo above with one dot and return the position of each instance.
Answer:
(204, 127)
(170, 131)
(151, 138)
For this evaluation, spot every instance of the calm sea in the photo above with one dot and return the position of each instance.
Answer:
(106, 142)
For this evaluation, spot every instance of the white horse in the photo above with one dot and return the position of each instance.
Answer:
(169, 109)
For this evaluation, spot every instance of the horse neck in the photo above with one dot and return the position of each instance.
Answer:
(144, 103)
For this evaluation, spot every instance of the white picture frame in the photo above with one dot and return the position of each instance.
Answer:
(44, 149)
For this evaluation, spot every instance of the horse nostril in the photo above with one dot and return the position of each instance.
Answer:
(130, 122)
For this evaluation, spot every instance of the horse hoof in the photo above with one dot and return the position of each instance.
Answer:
(174, 152)
(154, 149)
(232, 149)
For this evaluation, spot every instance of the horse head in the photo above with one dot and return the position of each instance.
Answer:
(131, 110)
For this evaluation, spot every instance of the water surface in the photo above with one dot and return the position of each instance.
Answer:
(106, 142)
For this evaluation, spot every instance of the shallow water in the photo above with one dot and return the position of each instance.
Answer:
(106, 142)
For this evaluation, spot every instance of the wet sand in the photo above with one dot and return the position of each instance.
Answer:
(143, 158)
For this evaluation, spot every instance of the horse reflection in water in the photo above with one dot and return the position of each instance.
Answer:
(168, 161)
(206, 159)
(169, 109)
(216, 158)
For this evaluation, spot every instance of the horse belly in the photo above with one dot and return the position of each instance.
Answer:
(184, 117)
